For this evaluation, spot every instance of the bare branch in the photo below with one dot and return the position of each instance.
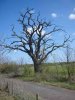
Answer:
(32, 39)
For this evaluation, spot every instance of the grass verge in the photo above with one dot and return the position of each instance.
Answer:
(66, 85)
(5, 96)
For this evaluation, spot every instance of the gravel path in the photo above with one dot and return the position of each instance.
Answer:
(48, 92)
(44, 91)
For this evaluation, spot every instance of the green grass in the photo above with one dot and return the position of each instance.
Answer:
(66, 85)
(25, 78)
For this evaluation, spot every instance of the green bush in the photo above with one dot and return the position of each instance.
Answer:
(28, 71)
(8, 68)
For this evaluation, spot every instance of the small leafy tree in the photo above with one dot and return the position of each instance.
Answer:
(35, 39)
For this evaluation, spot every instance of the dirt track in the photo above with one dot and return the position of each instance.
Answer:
(51, 93)
(48, 92)
(45, 92)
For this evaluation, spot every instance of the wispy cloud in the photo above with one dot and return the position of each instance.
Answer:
(54, 15)
(72, 16)
(32, 11)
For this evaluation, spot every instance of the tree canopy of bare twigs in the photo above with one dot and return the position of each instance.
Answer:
(35, 39)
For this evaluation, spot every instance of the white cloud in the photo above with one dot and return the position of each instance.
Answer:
(72, 16)
(29, 29)
(54, 15)
(43, 32)
(32, 11)
(15, 51)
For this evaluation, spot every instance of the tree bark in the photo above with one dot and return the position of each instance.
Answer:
(37, 67)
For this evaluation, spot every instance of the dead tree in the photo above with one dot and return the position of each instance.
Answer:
(35, 39)
(70, 65)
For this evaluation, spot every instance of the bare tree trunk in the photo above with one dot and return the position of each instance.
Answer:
(37, 67)
(69, 71)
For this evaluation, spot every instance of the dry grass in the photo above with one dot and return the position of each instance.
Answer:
(5, 96)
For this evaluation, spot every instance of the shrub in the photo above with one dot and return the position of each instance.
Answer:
(28, 71)
(8, 68)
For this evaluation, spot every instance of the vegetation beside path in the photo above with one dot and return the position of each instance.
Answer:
(55, 74)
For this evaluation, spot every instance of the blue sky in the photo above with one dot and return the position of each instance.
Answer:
(60, 12)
